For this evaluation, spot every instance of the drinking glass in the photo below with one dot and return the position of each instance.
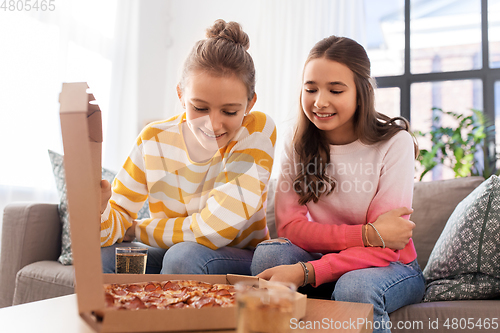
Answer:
(131, 260)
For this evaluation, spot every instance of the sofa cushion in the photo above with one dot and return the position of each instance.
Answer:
(57, 161)
(41, 280)
(433, 203)
(465, 262)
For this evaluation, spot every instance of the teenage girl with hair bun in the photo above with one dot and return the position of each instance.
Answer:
(205, 171)
(345, 190)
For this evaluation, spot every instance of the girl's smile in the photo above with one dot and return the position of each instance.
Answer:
(212, 136)
(324, 116)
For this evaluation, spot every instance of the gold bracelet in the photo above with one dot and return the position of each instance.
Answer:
(378, 233)
(366, 236)
(306, 273)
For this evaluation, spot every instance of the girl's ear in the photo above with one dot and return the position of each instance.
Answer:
(251, 103)
(179, 94)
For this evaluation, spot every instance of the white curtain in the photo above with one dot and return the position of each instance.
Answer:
(121, 116)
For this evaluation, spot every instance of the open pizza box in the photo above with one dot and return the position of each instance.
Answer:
(82, 139)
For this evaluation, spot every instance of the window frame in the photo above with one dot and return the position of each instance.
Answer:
(487, 75)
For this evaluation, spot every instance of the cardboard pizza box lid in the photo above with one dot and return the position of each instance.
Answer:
(82, 137)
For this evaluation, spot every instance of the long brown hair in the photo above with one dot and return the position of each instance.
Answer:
(223, 53)
(310, 144)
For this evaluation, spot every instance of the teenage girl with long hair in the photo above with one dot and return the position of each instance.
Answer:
(344, 193)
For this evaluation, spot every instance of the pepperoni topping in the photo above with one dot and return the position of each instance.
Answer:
(135, 304)
(171, 286)
(151, 287)
(223, 292)
(204, 302)
(133, 288)
(120, 292)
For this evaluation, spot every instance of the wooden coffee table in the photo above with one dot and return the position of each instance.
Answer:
(60, 315)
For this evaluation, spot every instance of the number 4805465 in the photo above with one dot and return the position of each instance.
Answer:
(28, 5)
(471, 323)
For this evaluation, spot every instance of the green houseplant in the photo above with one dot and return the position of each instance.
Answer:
(457, 146)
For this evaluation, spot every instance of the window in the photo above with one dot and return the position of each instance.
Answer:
(439, 53)
(387, 101)
(494, 32)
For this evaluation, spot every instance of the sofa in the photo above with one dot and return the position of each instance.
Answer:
(31, 244)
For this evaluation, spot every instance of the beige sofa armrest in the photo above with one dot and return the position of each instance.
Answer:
(433, 203)
(31, 232)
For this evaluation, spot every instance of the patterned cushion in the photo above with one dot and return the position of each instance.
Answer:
(57, 161)
(465, 262)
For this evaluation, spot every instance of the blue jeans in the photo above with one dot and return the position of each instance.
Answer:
(387, 288)
(186, 258)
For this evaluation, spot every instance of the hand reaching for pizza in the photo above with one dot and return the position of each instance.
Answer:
(130, 233)
(288, 273)
(105, 194)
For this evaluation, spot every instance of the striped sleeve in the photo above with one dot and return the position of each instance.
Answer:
(129, 192)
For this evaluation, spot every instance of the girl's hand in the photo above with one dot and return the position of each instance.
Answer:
(130, 233)
(288, 273)
(394, 229)
(105, 194)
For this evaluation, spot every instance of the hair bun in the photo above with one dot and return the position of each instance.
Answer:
(231, 31)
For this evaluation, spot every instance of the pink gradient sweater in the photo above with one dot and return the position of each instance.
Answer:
(371, 180)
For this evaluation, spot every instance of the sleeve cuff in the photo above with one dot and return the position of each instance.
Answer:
(322, 272)
(105, 223)
(354, 236)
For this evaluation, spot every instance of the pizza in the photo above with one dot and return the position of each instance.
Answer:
(168, 295)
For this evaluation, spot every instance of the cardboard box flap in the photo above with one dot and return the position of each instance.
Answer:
(233, 279)
(82, 164)
(74, 97)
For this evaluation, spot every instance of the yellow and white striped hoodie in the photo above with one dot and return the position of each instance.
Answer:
(216, 203)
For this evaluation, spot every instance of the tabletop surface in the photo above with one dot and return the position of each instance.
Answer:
(60, 315)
